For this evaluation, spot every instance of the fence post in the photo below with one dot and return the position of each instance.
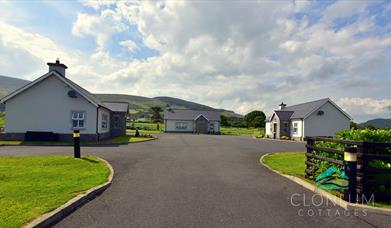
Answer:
(362, 163)
(350, 158)
(310, 142)
(76, 143)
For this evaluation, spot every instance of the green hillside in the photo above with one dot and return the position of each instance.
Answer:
(8, 84)
(377, 123)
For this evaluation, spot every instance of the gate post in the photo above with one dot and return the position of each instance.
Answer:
(350, 160)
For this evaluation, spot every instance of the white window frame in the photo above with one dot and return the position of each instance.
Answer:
(105, 120)
(295, 128)
(79, 117)
(181, 125)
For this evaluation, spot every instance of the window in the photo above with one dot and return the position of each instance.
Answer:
(271, 127)
(286, 127)
(181, 125)
(105, 119)
(295, 128)
(78, 119)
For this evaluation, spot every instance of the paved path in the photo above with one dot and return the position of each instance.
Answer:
(200, 181)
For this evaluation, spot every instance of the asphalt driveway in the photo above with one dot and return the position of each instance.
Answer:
(201, 181)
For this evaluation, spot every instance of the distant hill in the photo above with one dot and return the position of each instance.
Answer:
(7, 85)
(138, 104)
(378, 123)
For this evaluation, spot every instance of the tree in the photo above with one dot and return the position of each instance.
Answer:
(250, 117)
(156, 113)
(258, 122)
(353, 125)
(224, 121)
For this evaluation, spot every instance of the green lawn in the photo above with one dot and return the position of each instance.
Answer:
(144, 131)
(32, 186)
(291, 163)
(130, 139)
(241, 131)
(146, 128)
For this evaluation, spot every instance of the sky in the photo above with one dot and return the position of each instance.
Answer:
(241, 56)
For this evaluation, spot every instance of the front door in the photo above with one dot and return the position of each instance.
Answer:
(201, 125)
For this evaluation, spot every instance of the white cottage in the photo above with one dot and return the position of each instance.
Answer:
(192, 121)
(316, 118)
(52, 106)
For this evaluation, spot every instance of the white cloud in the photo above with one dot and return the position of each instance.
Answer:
(102, 26)
(365, 108)
(129, 45)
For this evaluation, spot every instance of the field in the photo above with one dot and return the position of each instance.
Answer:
(145, 128)
(32, 186)
(2, 119)
(242, 131)
(151, 128)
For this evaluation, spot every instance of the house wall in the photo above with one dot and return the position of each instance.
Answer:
(299, 134)
(101, 112)
(170, 126)
(119, 130)
(216, 126)
(47, 107)
(327, 124)
(268, 130)
(275, 120)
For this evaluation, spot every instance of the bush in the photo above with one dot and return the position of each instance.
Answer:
(137, 134)
(369, 135)
(284, 137)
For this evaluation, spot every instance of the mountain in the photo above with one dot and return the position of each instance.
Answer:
(378, 123)
(7, 85)
(138, 104)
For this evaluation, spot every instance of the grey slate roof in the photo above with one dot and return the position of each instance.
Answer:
(283, 114)
(187, 114)
(302, 110)
(117, 106)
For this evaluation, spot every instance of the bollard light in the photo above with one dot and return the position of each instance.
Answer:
(76, 143)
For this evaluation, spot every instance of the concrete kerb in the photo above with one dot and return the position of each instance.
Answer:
(280, 140)
(336, 200)
(53, 217)
(82, 144)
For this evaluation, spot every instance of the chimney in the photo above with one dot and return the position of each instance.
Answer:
(282, 105)
(58, 67)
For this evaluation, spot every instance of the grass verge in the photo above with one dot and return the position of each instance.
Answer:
(293, 163)
(130, 139)
(32, 186)
(290, 163)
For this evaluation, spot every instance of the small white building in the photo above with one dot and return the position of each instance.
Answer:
(192, 121)
(316, 118)
(52, 107)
